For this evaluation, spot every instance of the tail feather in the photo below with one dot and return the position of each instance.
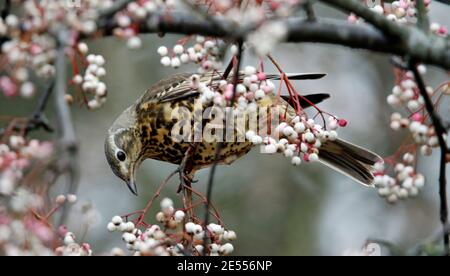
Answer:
(307, 100)
(298, 76)
(350, 160)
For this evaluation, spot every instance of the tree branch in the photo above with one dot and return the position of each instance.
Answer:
(67, 142)
(309, 10)
(440, 132)
(6, 9)
(431, 50)
(379, 21)
(447, 2)
(38, 119)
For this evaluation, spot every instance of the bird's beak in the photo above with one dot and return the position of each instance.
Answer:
(132, 186)
(132, 182)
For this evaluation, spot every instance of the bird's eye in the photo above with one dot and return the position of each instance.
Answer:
(121, 156)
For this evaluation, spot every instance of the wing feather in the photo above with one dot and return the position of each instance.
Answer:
(177, 87)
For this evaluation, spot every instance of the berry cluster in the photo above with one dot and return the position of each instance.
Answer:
(406, 95)
(23, 232)
(37, 52)
(90, 83)
(128, 19)
(402, 12)
(412, 116)
(253, 88)
(301, 138)
(205, 53)
(16, 156)
(29, 43)
(24, 237)
(70, 247)
(406, 183)
(176, 236)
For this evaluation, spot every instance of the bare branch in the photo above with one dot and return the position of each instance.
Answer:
(6, 9)
(440, 132)
(379, 21)
(309, 10)
(447, 2)
(431, 49)
(67, 141)
(38, 119)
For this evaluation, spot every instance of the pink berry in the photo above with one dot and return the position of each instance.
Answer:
(306, 157)
(417, 117)
(86, 246)
(274, 5)
(35, 49)
(261, 76)
(62, 230)
(352, 18)
(342, 123)
(250, 96)
(228, 94)
(442, 30)
(8, 87)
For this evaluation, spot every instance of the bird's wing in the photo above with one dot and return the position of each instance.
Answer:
(175, 84)
(177, 87)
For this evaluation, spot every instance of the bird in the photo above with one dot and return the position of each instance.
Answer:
(143, 131)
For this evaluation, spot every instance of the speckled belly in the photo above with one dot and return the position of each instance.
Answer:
(160, 145)
(163, 148)
(206, 152)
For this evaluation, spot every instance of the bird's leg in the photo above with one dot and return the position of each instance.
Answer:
(187, 191)
(186, 176)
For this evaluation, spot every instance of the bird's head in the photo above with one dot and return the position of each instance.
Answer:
(123, 149)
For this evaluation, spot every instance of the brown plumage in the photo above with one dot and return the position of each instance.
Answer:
(144, 131)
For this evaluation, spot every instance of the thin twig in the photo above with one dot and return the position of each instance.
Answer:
(6, 9)
(433, 239)
(309, 10)
(38, 119)
(447, 2)
(422, 16)
(440, 132)
(66, 131)
(219, 145)
(186, 177)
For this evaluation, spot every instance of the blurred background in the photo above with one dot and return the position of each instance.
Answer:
(275, 208)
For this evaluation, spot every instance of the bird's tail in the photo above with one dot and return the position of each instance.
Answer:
(350, 160)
